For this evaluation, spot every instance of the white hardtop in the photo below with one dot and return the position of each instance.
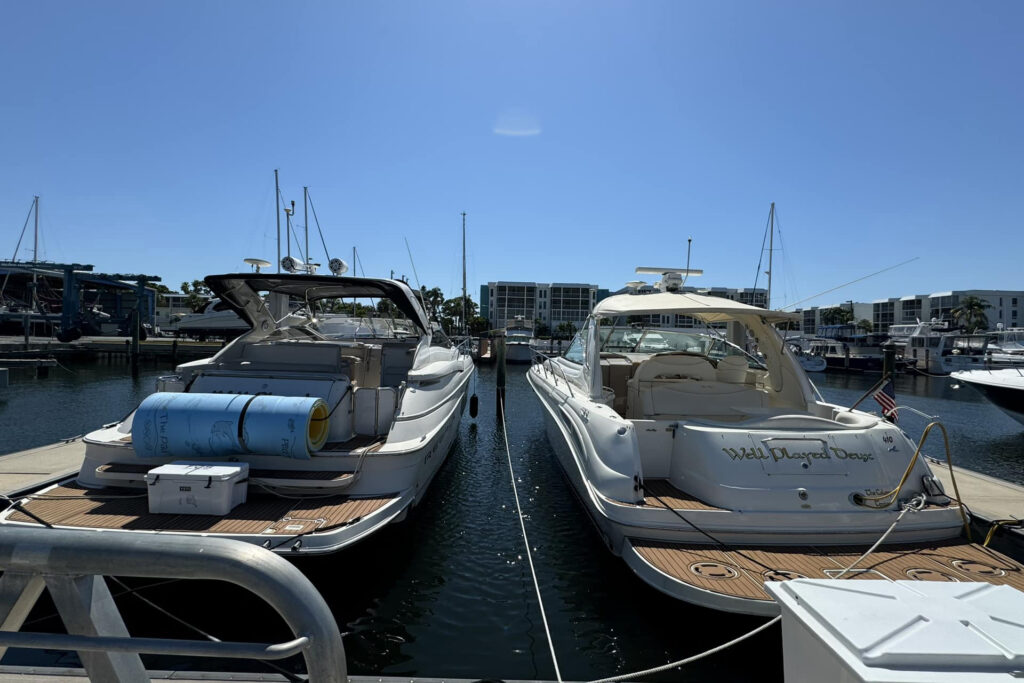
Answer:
(192, 470)
(905, 628)
(708, 308)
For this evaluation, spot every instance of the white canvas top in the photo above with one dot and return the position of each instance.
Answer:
(192, 470)
(915, 625)
(707, 308)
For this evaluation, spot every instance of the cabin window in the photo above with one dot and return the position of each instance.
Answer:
(576, 351)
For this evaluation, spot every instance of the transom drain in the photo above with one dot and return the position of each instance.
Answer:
(925, 574)
(975, 567)
(713, 570)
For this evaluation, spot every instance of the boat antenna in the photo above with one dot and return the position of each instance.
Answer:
(845, 284)
(322, 240)
(689, 244)
(465, 324)
(419, 288)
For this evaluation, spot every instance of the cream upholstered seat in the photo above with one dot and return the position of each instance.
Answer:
(732, 369)
(681, 386)
(675, 366)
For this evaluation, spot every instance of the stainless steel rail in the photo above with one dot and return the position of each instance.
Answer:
(71, 565)
(547, 364)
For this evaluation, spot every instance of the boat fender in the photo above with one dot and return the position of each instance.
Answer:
(474, 406)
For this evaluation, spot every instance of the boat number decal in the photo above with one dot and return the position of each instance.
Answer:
(781, 453)
(887, 438)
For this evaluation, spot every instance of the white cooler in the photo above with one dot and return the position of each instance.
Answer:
(196, 488)
(900, 631)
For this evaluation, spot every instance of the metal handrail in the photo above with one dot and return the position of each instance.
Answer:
(71, 563)
(549, 360)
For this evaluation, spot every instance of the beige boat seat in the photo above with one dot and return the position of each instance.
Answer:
(733, 370)
(684, 386)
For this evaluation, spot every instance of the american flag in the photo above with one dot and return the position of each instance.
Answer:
(886, 397)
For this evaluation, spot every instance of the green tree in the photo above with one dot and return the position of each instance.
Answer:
(565, 330)
(433, 299)
(387, 308)
(838, 315)
(451, 313)
(196, 295)
(970, 314)
(865, 326)
(478, 324)
(541, 328)
(160, 289)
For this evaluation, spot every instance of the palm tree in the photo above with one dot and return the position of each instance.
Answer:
(970, 314)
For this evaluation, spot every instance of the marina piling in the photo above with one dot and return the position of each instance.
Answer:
(888, 359)
(499, 351)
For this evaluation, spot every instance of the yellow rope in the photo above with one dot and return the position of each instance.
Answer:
(890, 497)
(995, 527)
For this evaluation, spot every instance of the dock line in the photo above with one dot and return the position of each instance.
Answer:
(526, 540)
(916, 504)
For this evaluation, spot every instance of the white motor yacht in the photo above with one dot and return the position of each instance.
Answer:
(1003, 387)
(711, 471)
(302, 436)
(518, 339)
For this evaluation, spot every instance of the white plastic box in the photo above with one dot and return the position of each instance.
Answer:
(900, 631)
(196, 488)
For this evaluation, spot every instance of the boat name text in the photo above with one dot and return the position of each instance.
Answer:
(782, 453)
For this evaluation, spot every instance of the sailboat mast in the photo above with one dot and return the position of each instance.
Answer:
(465, 324)
(277, 203)
(305, 222)
(771, 245)
(35, 246)
(35, 258)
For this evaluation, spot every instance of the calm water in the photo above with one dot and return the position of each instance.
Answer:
(448, 592)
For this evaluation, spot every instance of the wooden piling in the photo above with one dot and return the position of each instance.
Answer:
(499, 351)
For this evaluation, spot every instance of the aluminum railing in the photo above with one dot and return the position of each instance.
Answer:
(71, 566)
(547, 364)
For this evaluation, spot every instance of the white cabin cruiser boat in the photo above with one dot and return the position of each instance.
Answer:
(298, 436)
(1003, 387)
(518, 340)
(711, 472)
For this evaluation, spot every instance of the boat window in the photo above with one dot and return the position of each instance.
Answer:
(576, 352)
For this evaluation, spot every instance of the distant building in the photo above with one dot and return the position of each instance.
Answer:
(1005, 306)
(552, 304)
(810, 318)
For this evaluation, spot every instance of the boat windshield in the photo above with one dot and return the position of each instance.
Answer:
(644, 340)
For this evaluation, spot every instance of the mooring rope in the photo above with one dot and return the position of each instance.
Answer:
(526, 541)
(915, 505)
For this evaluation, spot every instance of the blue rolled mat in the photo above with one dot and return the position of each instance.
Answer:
(176, 425)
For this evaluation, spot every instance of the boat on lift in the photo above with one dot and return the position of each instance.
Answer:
(303, 435)
(711, 470)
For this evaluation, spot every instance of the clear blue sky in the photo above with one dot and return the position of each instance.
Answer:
(582, 138)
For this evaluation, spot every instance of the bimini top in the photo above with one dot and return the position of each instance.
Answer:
(242, 293)
(710, 309)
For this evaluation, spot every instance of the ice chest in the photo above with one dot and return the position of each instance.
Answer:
(196, 488)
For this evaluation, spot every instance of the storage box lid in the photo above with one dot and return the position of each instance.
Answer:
(922, 625)
(191, 470)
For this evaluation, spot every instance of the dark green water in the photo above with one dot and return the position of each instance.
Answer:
(448, 592)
